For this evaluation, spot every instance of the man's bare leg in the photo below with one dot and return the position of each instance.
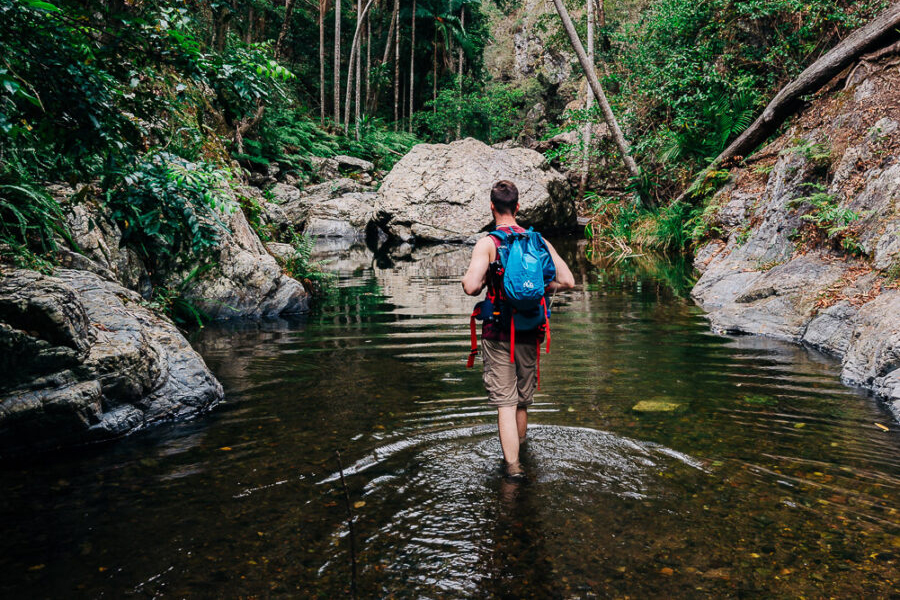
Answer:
(522, 422)
(507, 423)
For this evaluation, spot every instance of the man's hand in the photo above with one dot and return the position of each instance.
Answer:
(476, 277)
(564, 278)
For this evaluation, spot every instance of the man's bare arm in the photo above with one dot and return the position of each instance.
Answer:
(564, 278)
(475, 278)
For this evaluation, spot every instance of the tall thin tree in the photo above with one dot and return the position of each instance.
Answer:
(397, 65)
(372, 102)
(356, 87)
(323, 8)
(412, 65)
(337, 62)
(459, 73)
(285, 26)
(368, 66)
(353, 63)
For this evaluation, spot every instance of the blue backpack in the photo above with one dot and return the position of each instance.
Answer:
(527, 269)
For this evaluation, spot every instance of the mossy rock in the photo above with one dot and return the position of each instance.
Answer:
(658, 406)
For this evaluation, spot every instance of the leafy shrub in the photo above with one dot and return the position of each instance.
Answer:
(174, 302)
(379, 143)
(167, 206)
(287, 136)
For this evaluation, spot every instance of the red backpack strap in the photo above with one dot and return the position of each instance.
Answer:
(474, 352)
(512, 338)
(546, 325)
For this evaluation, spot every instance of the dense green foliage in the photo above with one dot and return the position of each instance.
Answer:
(686, 79)
(491, 113)
(692, 75)
(30, 221)
(148, 97)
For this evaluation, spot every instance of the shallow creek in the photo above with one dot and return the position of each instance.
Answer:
(762, 476)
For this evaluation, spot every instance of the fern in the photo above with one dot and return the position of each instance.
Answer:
(30, 221)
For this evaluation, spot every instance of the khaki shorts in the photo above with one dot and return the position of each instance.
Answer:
(509, 384)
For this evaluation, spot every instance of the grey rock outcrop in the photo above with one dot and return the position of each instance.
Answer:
(780, 276)
(341, 208)
(245, 281)
(83, 361)
(351, 164)
(441, 192)
(99, 241)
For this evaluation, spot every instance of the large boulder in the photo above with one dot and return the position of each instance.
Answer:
(83, 361)
(441, 192)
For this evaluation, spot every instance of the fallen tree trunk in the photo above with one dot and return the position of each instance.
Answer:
(790, 98)
(591, 74)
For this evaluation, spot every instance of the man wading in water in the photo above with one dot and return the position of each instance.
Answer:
(509, 348)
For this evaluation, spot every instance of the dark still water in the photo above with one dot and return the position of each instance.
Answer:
(665, 461)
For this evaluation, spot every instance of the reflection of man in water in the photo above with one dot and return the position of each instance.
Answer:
(510, 386)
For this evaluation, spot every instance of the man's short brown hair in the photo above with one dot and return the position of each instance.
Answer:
(505, 197)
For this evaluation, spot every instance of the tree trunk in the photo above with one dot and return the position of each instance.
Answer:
(412, 63)
(459, 75)
(591, 75)
(397, 65)
(588, 102)
(248, 32)
(388, 46)
(790, 98)
(368, 59)
(434, 73)
(323, 8)
(246, 124)
(337, 62)
(359, 21)
(288, 9)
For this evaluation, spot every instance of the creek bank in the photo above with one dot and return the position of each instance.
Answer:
(86, 355)
(810, 244)
(85, 361)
